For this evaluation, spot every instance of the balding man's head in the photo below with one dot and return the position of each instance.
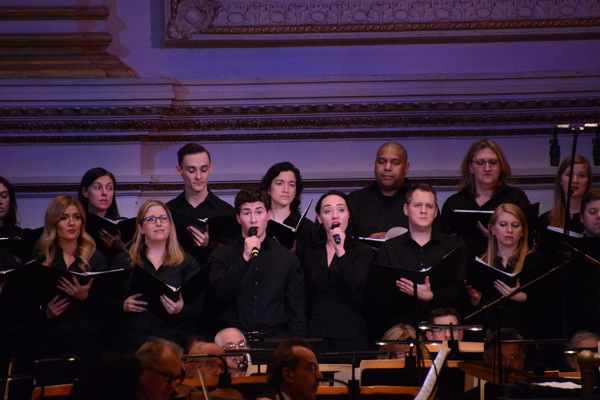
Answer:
(391, 167)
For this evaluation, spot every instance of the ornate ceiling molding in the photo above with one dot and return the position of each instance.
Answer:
(238, 23)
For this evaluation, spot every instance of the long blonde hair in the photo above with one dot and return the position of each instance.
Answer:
(522, 247)
(48, 243)
(556, 216)
(467, 179)
(175, 255)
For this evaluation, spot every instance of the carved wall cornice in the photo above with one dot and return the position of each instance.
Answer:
(221, 123)
(228, 186)
(199, 23)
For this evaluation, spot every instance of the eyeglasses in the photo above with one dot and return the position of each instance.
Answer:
(230, 345)
(212, 366)
(399, 355)
(152, 220)
(482, 163)
(168, 378)
(515, 358)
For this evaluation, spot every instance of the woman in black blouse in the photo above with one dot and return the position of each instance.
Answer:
(582, 182)
(71, 321)
(508, 251)
(97, 195)
(16, 249)
(336, 269)
(8, 211)
(484, 186)
(155, 249)
(283, 182)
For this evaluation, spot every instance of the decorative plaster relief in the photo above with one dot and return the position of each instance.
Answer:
(198, 20)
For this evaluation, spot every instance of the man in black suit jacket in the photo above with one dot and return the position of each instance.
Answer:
(293, 372)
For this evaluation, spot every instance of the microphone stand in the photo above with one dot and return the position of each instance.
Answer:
(567, 225)
(418, 358)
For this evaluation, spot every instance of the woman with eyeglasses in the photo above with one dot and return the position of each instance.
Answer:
(97, 195)
(71, 322)
(155, 249)
(483, 187)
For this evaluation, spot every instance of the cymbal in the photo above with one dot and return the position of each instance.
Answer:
(489, 372)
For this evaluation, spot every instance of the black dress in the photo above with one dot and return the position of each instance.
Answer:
(133, 329)
(335, 296)
(80, 329)
(477, 242)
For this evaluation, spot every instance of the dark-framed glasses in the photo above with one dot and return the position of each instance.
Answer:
(482, 163)
(152, 220)
(168, 378)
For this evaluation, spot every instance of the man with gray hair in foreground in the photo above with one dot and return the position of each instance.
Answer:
(161, 369)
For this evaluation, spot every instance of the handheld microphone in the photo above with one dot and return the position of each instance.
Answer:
(253, 231)
(336, 238)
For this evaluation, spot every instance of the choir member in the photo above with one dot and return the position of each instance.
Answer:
(582, 275)
(155, 249)
(378, 206)
(508, 251)
(420, 248)
(283, 182)
(9, 230)
(259, 282)
(71, 322)
(483, 187)
(195, 167)
(581, 183)
(8, 211)
(336, 268)
(97, 195)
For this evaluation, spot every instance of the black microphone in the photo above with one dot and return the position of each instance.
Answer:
(253, 231)
(596, 146)
(554, 149)
(336, 238)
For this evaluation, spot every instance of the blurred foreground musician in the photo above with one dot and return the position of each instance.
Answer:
(293, 372)
(161, 369)
(233, 339)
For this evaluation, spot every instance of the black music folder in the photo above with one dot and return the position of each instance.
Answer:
(382, 278)
(152, 288)
(285, 234)
(464, 222)
(552, 236)
(481, 276)
(95, 223)
(43, 280)
(222, 229)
